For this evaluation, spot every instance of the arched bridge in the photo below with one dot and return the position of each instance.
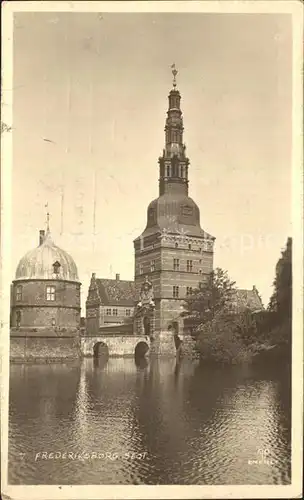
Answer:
(115, 345)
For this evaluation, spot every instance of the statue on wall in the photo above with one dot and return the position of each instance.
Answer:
(145, 308)
(146, 296)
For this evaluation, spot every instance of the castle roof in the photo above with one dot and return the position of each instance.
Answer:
(174, 213)
(47, 261)
(116, 292)
(248, 299)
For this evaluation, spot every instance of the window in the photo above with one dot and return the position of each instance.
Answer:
(115, 312)
(176, 264)
(19, 292)
(18, 318)
(141, 269)
(152, 266)
(176, 245)
(200, 261)
(50, 293)
(189, 266)
(175, 292)
(108, 312)
(189, 246)
(182, 171)
(128, 312)
(189, 290)
(56, 267)
(168, 171)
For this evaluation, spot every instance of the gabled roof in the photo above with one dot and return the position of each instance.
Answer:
(248, 299)
(116, 292)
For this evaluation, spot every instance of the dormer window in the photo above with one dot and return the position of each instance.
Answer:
(56, 267)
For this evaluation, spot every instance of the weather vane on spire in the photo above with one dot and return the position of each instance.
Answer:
(174, 73)
(47, 217)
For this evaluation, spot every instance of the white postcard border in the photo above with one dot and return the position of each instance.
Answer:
(295, 9)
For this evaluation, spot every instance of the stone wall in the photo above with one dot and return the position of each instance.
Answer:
(28, 348)
(163, 345)
(92, 319)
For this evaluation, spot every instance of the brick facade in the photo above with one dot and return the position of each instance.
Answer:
(118, 314)
(173, 266)
(30, 302)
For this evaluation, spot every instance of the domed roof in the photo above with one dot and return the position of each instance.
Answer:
(47, 261)
(174, 214)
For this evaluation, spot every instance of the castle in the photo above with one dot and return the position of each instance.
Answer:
(173, 255)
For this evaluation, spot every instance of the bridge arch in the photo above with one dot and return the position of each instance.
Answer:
(117, 345)
(141, 350)
(100, 349)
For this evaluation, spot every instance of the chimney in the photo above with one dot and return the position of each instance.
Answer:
(41, 236)
(117, 277)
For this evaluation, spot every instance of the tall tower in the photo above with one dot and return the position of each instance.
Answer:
(173, 251)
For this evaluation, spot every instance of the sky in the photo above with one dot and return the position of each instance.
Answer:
(96, 86)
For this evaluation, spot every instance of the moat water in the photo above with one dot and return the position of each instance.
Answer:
(156, 423)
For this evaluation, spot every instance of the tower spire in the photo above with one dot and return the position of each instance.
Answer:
(47, 217)
(48, 222)
(173, 165)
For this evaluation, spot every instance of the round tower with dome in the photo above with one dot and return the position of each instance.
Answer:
(45, 294)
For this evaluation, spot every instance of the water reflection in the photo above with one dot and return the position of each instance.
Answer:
(148, 422)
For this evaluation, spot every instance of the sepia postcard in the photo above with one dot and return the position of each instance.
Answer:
(151, 249)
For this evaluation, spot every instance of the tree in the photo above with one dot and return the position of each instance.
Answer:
(229, 337)
(281, 299)
(213, 296)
